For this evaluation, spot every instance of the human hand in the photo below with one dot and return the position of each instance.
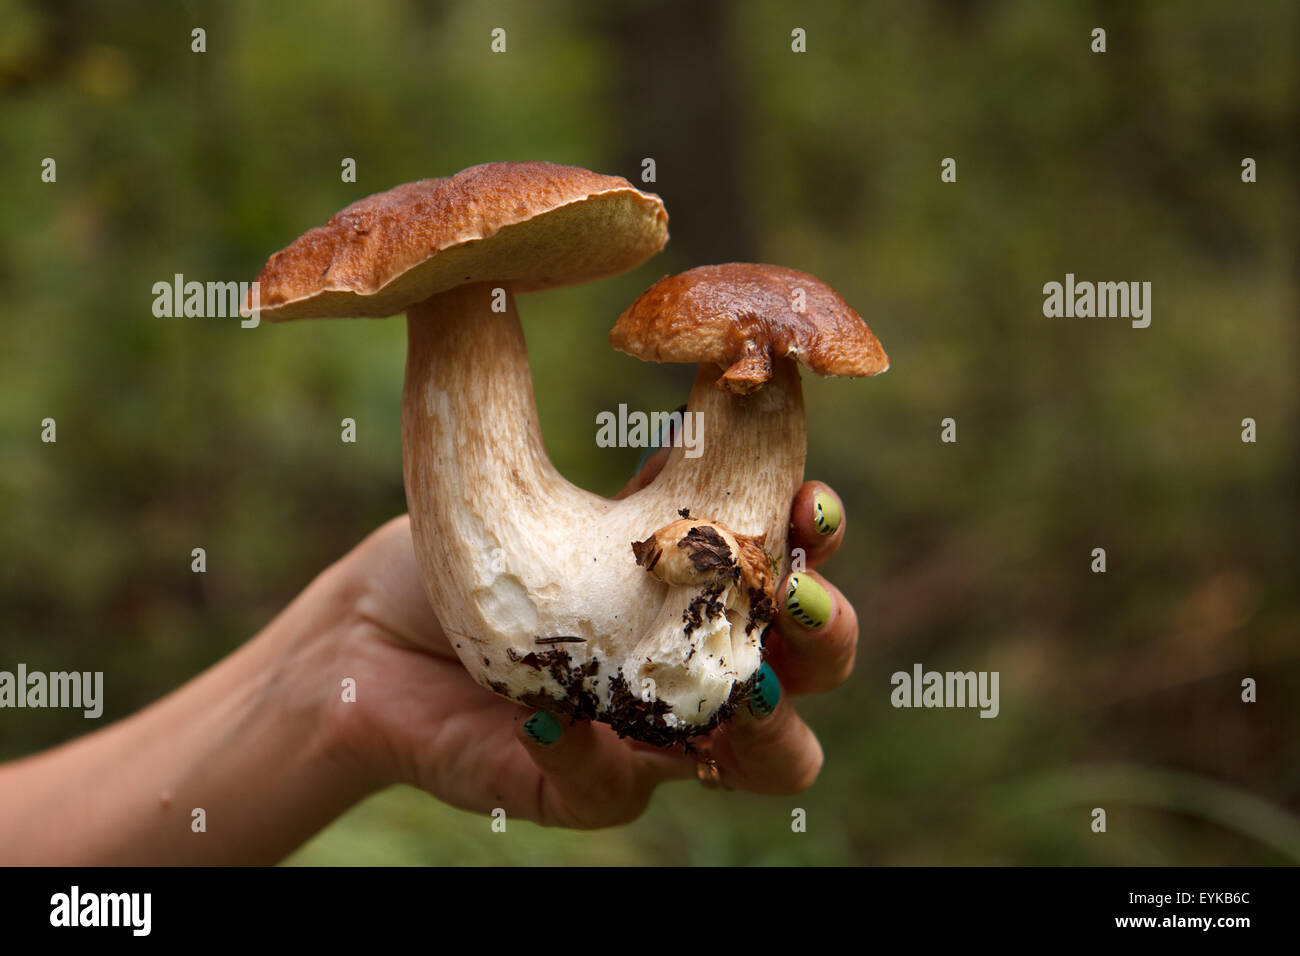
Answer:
(420, 719)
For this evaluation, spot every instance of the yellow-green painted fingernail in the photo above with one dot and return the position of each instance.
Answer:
(543, 728)
(826, 513)
(807, 602)
(765, 694)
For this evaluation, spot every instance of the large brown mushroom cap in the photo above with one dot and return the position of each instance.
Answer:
(529, 225)
(741, 316)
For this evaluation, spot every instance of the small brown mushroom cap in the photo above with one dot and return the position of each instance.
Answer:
(696, 552)
(699, 551)
(741, 316)
(528, 225)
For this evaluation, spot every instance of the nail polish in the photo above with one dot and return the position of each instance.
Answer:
(765, 693)
(826, 513)
(543, 728)
(807, 602)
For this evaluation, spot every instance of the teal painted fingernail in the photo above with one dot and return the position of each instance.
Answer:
(543, 728)
(826, 513)
(766, 692)
(807, 602)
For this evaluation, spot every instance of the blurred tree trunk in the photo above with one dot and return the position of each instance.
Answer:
(675, 100)
(1295, 279)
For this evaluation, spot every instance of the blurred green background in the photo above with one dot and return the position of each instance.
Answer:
(1119, 690)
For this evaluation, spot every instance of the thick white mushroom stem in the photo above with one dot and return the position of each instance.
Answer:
(535, 580)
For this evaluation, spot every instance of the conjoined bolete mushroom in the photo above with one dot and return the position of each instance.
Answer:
(647, 612)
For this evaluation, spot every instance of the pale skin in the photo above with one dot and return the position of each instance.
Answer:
(264, 744)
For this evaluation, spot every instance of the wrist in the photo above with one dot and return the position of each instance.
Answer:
(266, 760)
(318, 663)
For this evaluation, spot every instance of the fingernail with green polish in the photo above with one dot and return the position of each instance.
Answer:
(765, 694)
(826, 513)
(543, 728)
(807, 602)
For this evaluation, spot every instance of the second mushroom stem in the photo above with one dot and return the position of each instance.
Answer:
(506, 545)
